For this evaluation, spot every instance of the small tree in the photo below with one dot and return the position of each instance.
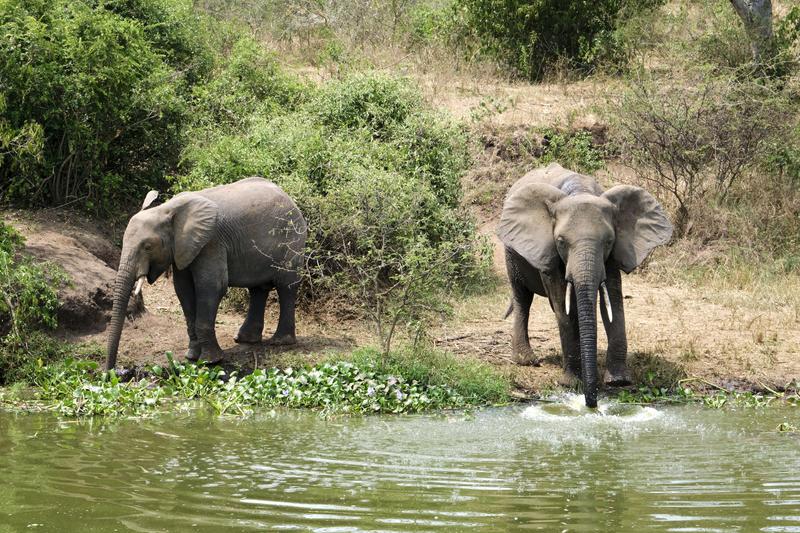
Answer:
(695, 141)
(373, 245)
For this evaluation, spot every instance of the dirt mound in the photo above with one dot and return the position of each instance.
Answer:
(86, 255)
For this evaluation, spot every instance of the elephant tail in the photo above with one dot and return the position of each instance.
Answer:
(509, 310)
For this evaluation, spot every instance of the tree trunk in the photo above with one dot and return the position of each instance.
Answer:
(757, 18)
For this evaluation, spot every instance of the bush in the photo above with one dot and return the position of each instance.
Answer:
(94, 97)
(695, 143)
(532, 37)
(573, 150)
(28, 303)
(377, 175)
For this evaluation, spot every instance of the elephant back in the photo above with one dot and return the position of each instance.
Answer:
(565, 180)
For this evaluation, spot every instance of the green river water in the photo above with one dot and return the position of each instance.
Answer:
(543, 467)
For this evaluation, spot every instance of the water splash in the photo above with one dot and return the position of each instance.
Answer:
(572, 407)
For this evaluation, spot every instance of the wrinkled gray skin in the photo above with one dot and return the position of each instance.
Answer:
(560, 227)
(246, 234)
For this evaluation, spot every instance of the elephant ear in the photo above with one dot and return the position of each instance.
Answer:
(149, 199)
(193, 224)
(526, 223)
(641, 225)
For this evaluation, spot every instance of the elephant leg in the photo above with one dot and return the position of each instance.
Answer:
(253, 326)
(521, 350)
(616, 368)
(210, 274)
(567, 328)
(285, 332)
(184, 288)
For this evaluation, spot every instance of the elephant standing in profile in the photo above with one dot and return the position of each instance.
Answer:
(567, 240)
(246, 234)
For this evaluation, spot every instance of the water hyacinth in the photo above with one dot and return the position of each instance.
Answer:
(76, 388)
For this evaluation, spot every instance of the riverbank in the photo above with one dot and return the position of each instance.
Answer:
(736, 339)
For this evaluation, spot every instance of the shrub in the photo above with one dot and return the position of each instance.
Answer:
(247, 81)
(95, 91)
(694, 143)
(531, 37)
(574, 150)
(28, 302)
(385, 245)
(377, 175)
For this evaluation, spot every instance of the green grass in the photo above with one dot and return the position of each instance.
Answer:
(475, 381)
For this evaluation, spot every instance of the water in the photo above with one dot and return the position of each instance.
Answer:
(547, 467)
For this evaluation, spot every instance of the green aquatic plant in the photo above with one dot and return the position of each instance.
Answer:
(77, 388)
(715, 396)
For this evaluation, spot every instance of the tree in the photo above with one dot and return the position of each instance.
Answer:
(757, 18)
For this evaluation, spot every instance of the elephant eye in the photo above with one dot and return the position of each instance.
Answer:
(148, 246)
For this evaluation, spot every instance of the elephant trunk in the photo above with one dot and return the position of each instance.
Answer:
(126, 276)
(587, 274)
(586, 297)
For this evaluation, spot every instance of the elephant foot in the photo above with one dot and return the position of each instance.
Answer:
(248, 336)
(617, 378)
(281, 340)
(211, 355)
(569, 379)
(526, 358)
(193, 353)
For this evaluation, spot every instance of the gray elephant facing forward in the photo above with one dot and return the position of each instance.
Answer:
(246, 234)
(567, 240)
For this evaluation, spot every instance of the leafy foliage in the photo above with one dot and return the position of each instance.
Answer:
(367, 385)
(712, 395)
(94, 96)
(28, 302)
(376, 174)
(573, 150)
(477, 382)
(532, 36)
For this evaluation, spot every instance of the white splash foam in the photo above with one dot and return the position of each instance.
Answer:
(571, 407)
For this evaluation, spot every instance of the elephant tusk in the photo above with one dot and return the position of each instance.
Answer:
(138, 287)
(607, 301)
(568, 297)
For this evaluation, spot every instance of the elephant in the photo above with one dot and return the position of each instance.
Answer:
(567, 239)
(245, 234)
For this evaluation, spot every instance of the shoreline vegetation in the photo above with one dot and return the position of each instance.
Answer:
(398, 128)
(368, 382)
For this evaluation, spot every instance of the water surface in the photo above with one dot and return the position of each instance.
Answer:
(547, 467)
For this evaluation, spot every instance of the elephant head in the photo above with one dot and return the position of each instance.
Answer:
(576, 237)
(155, 239)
